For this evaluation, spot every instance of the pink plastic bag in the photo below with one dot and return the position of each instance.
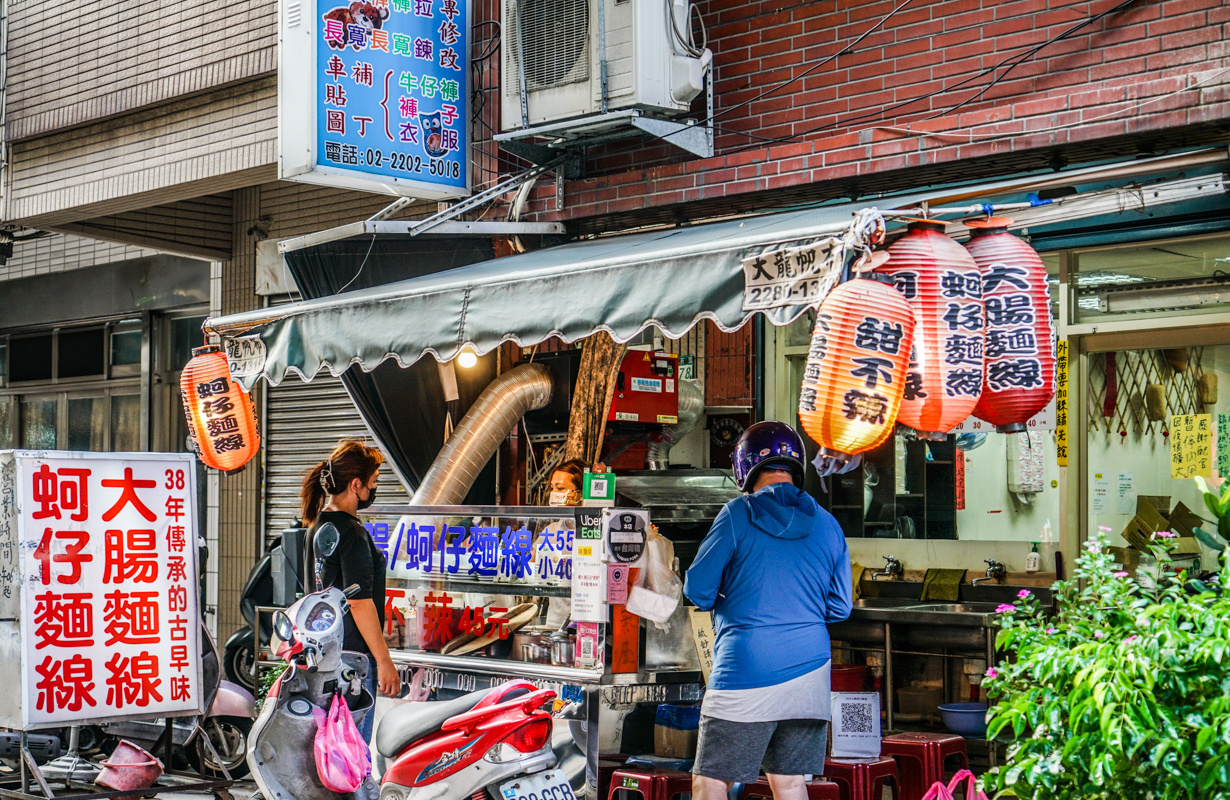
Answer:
(343, 760)
(939, 791)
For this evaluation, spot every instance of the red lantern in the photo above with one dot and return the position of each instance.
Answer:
(944, 287)
(221, 417)
(1019, 377)
(856, 364)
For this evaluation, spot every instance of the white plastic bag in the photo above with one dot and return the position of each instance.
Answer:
(657, 590)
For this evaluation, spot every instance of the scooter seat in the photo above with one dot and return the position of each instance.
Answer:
(406, 723)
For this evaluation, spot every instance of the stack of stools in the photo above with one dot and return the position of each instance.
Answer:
(921, 757)
(816, 790)
(863, 778)
(650, 783)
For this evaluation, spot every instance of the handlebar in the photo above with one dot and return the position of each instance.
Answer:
(309, 658)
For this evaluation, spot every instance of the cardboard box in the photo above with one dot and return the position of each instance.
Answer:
(1151, 517)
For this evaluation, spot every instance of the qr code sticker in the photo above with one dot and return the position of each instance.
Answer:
(587, 648)
(856, 718)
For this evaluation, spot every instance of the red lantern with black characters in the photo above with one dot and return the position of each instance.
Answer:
(944, 287)
(1019, 351)
(221, 416)
(856, 364)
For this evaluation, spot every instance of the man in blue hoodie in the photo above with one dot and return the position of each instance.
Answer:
(775, 570)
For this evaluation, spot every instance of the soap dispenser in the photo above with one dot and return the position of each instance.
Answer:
(1033, 560)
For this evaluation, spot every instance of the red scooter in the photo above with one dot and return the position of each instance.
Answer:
(495, 744)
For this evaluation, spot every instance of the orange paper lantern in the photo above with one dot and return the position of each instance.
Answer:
(944, 286)
(856, 365)
(221, 417)
(1019, 376)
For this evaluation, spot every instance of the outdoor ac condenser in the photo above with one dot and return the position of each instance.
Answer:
(552, 48)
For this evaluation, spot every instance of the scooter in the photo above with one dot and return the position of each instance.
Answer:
(308, 636)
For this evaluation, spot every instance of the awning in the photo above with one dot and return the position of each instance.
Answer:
(671, 279)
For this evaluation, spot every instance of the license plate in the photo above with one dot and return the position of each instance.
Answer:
(549, 785)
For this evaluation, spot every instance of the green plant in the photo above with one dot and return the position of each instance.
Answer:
(1123, 693)
(268, 677)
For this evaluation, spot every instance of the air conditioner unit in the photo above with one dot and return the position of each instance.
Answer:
(552, 53)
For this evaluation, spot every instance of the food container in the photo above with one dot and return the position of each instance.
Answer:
(966, 719)
(848, 677)
(531, 645)
(563, 645)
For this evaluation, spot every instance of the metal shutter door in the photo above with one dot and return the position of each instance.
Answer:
(303, 423)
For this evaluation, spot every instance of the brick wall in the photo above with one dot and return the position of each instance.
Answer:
(1079, 93)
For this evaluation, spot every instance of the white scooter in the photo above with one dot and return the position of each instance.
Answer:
(309, 636)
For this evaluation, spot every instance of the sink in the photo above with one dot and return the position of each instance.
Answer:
(957, 608)
(884, 602)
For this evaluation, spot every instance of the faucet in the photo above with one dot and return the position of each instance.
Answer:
(892, 569)
(995, 572)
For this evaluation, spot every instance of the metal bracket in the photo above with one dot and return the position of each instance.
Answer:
(391, 209)
(572, 168)
(601, 52)
(525, 102)
(697, 139)
(482, 197)
(559, 191)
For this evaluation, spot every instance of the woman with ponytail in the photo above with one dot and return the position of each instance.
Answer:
(335, 491)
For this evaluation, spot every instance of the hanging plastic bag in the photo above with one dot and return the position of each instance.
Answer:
(343, 760)
(939, 791)
(656, 592)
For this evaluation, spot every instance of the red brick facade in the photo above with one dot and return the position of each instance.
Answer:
(1115, 87)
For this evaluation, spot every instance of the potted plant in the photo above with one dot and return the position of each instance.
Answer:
(1124, 691)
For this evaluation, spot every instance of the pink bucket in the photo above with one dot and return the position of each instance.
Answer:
(129, 767)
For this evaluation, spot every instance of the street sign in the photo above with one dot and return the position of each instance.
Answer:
(374, 96)
(100, 553)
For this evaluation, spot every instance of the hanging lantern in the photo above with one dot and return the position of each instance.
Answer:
(221, 417)
(856, 364)
(1019, 376)
(944, 287)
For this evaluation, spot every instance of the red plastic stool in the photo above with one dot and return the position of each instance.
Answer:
(921, 757)
(651, 784)
(816, 790)
(607, 765)
(863, 778)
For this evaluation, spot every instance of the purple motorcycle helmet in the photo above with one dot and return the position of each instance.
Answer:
(766, 445)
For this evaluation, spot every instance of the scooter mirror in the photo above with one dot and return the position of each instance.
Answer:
(283, 628)
(326, 539)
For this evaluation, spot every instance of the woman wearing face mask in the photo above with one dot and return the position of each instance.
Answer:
(564, 489)
(334, 491)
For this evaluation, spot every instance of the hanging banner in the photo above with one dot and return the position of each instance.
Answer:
(107, 582)
(1223, 445)
(1191, 445)
(796, 276)
(374, 96)
(1061, 402)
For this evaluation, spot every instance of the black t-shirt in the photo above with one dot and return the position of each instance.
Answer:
(356, 560)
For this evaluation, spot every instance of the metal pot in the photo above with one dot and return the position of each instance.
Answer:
(532, 645)
(563, 646)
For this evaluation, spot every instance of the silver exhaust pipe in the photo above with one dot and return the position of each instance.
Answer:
(493, 416)
(691, 408)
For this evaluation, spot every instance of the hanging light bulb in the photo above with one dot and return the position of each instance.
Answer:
(467, 358)
(221, 417)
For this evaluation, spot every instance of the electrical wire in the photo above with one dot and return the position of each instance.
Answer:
(1019, 58)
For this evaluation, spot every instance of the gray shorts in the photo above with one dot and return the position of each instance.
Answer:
(734, 752)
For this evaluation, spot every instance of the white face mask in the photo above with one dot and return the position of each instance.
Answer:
(560, 498)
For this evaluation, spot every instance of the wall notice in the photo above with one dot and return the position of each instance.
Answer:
(1061, 402)
(1191, 445)
(109, 618)
(1099, 499)
(1125, 493)
(1223, 445)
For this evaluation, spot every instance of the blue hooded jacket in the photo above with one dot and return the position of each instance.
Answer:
(775, 570)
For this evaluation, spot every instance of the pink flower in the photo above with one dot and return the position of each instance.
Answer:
(991, 673)
(1132, 638)
(1005, 608)
(1023, 593)
(1165, 535)
(1093, 547)
(1121, 574)
(1050, 630)
(1098, 634)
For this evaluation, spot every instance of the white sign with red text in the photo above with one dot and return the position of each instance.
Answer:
(107, 551)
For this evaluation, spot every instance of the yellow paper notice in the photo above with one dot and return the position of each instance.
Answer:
(702, 636)
(1191, 445)
(1061, 403)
